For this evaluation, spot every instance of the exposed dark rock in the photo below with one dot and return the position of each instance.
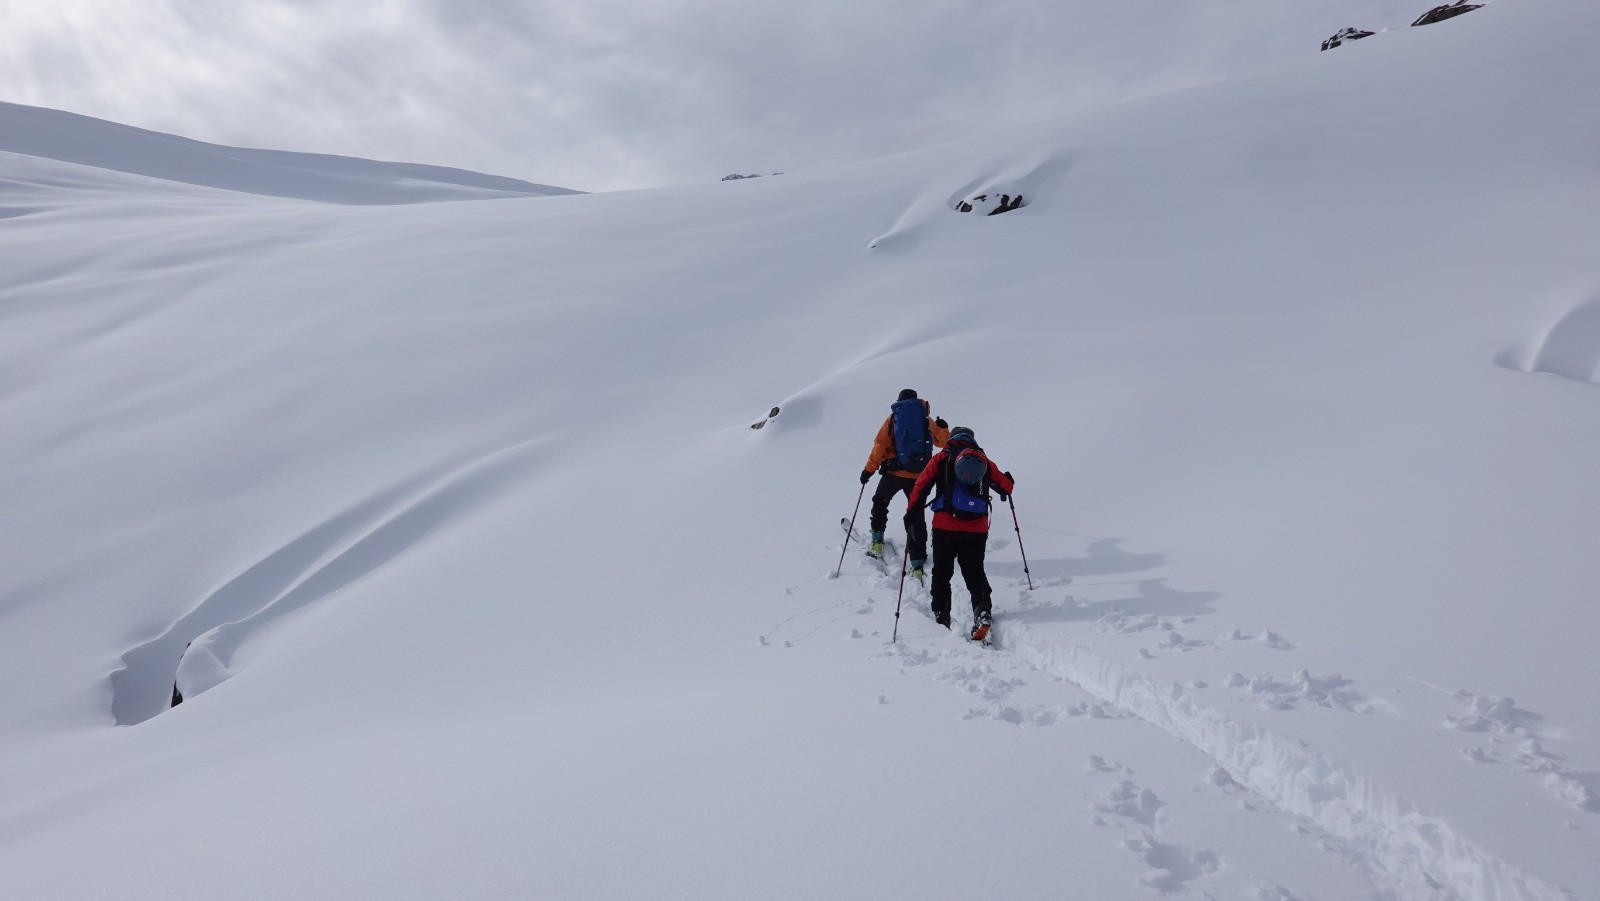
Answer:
(1448, 11)
(1346, 36)
(763, 423)
(177, 696)
(991, 204)
(1007, 204)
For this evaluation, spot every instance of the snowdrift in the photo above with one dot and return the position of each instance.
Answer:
(488, 588)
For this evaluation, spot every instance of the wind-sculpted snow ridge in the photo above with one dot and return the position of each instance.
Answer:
(1406, 850)
(202, 646)
(1570, 348)
(70, 138)
(1006, 185)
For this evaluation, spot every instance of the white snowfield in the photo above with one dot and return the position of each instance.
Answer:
(489, 589)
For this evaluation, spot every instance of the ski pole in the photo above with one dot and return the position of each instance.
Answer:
(1018, 526)
(849, 530)
(905, 557)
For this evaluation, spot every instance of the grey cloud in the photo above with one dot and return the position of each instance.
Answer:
(607, 93)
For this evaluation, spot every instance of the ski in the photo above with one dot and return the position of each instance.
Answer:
(855, 535)
(882, 560)
(849, 533)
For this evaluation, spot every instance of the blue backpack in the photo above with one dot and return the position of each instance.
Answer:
(913, 442)
(964, 485)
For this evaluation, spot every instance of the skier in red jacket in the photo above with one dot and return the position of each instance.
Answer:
(964, 477)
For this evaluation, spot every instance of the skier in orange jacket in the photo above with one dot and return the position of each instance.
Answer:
(898, 475)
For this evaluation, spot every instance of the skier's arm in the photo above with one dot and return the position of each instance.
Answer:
(1000, 480)
(941, 432)
(882, 448)
(919, 491)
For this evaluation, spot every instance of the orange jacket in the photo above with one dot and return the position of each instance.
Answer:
(883, 446)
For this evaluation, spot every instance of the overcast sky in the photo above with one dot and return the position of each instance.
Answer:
(609, 94)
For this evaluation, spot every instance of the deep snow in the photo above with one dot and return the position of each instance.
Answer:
(493, 591)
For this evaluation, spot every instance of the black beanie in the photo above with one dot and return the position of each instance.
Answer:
(907, 393)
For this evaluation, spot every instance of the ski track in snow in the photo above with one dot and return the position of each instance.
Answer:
(858, 564)
(1128, 800)
(1332, 692)
(1520, 739)
(1403, 850)
(1138, 812)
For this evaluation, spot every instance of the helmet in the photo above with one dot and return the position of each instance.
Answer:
(907, 393)
(971, 467)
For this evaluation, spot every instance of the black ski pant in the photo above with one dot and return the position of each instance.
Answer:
(965, 548)
(915, 521)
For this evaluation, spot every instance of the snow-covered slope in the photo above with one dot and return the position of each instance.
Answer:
(55, 135)
(490, 590)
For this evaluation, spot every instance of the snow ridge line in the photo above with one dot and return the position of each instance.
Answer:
(1412, 853)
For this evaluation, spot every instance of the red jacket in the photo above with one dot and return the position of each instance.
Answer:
(930, 473)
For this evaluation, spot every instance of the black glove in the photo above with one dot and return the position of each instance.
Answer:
(1006, 495)
(866, 476)
(941, 423)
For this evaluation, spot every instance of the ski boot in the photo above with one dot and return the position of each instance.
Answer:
(918, 573)
(942, 618)
(875, 549)
(981, 625)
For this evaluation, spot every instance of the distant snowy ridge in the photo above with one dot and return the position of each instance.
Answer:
(68, 137)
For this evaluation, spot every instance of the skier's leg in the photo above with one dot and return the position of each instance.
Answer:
(916, 520)
(970, 556)
(887, 488)
(944, 566)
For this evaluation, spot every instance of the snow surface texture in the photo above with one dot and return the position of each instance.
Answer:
(489, 588)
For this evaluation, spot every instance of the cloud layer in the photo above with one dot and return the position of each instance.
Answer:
(607, 94)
